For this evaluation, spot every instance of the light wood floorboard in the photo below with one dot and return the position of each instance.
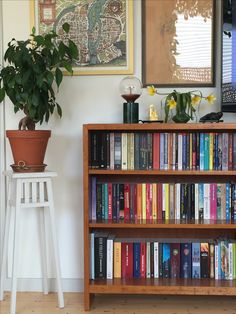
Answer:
(37, 303)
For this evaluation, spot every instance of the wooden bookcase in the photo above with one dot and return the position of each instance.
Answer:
(166, 229)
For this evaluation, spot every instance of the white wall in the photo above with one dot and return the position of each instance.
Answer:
(84, 99)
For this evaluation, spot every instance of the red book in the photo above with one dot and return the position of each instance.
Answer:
(126, 202)
(159, 201)
(213, 200)
(126, 260)
(148, 201)
(109, 201)
(156, 151)
(142, 260)
(175, 260)
(135, 202)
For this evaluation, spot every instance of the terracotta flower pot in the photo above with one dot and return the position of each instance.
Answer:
(28, 149)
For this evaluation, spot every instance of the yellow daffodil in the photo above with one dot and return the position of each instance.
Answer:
(196, 100)
(171, 103)
(211, 98)
(151, 90)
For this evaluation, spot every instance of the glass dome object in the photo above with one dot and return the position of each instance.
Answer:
(130, 88)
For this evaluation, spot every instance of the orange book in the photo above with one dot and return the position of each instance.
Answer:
(139, 201)
(117, 259)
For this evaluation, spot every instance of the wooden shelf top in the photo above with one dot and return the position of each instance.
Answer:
(162, 127)
(164, 286)
(164, 172)
(169, 224)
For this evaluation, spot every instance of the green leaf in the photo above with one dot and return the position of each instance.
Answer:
(59, 111)
(33, 30)
(62, 49)
(50, 78)
(73, 49)
(58, 76)
(39, 40)
(68, 67)
(2, 94)
(36, 99)
(66, 27)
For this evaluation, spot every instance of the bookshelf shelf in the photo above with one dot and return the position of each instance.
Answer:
(162, 172)
(176, 224)
(150, 229)
(164, 286)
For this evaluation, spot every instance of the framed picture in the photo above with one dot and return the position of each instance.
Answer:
(103, 31)
(178, 42)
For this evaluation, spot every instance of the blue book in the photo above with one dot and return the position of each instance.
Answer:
(201, 151)
(185, 260)
(227, 202)
(166, 260)
(196, 272)
(200, 200)
(106, 200)
(136, 248)
(206, 151)
(162, 140)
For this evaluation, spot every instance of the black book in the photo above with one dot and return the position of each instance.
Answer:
(93, 161)
(149, 151)
(188, 151)
(188, 201)
(121, 201)
(194, 145)
(100, 246)
(204, 260)
(143, 151)
(192, 201)
(197, 151)
(103, 150)
(99, 201)
(185, 260)
(152, 259)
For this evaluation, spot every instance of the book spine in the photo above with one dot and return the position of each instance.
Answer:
(218, 201)
(204, 260)
(117, 259)
(110, 201)
(213, 201)
(201, 201)
(216, 262)
(109, 258)
(93, 198)
(180, 147)
(136, 151)
(112, 151)
(117, 151)
(230, 151)
(148, 260)
(156, 260)
(206, 151)
(156, 151)
(177, 197)
(212, 261)
(99, 202)
(162, 140)
(196, 202)
(124, 151)
(175, 260)
(231, 266)
(225, 153)
(196, 260)
(139, 201)
(126, 202)
(131, 152)
(137, 260)
(121, 201)
(234, 151)
(166, 260)
(211, 150)
(186, 260)
(154, 201)
(100, 257)
(206, 201)
(92, 257)
(142, 260)
(201, 159)
(144, 203)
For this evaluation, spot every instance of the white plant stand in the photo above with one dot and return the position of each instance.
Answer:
(30, 190)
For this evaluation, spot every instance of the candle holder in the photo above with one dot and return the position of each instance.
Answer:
(130, 90)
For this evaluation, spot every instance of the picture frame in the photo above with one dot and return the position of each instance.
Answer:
(104, 32)
(178, 43)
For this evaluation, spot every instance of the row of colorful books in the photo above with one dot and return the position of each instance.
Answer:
(117, 258)
(163, 151)
(162, 201)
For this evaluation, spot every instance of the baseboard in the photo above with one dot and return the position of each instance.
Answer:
(31, 284)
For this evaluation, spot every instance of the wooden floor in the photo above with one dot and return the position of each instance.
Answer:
(37, 303)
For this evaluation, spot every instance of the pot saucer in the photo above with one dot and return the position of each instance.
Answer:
(28, 168)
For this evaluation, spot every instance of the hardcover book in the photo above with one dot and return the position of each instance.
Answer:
(186, 260)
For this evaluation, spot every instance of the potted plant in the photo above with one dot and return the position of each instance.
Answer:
(32, 72)
(184, 104)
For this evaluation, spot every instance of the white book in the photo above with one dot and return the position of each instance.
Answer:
(92, 257)
(110, 241)
(177, 200)
(124, 148)
(148, 260)
(206, 210)
(112, 150)
(196, 202)
(156, 260)
(230, 252)
(216, 261)
(180, 159)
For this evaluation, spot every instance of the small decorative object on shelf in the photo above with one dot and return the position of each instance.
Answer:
(184, 104)
(212, 117)
(153, 113)
(130, 89)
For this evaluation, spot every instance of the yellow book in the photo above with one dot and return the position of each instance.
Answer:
(144, 203)
(154, 201)
(117, 259)
(211, 148)
(139, 201)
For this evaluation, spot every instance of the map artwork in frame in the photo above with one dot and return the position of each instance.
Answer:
(102, 30)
